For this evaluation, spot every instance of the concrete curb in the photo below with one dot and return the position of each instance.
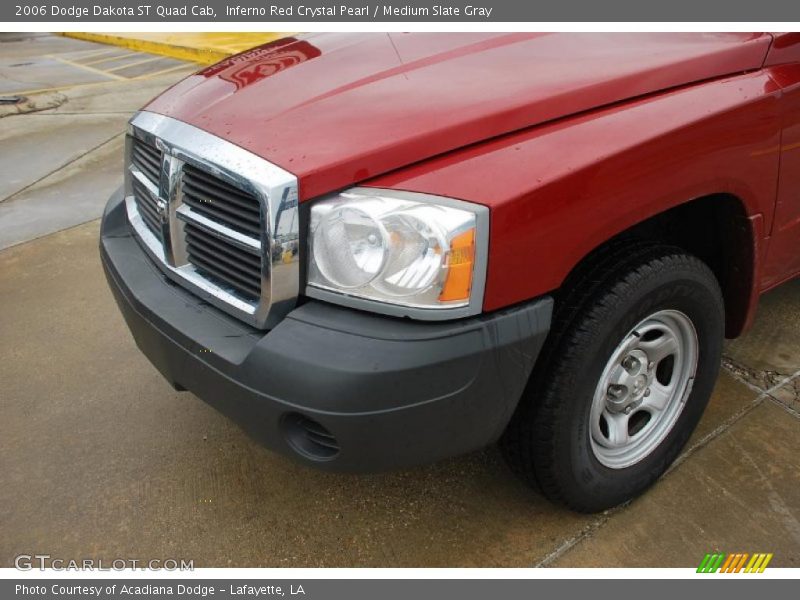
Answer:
(44, 101)
(201, 49)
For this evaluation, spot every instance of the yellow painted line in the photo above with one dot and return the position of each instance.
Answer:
(110, 58)
(136, 63)
(96, 83)
(90, 53)
(92, 69)
(204, 48)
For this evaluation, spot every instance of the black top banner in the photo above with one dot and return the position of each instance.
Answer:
(360, 11)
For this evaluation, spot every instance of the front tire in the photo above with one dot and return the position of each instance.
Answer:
(629, 367)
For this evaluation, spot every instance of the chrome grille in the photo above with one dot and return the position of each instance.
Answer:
(223, 262)
(148, 208)
(216, 219)
(221, 202)
(146, 162)
(147, 159)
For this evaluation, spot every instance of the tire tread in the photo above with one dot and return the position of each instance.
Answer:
(589, 297)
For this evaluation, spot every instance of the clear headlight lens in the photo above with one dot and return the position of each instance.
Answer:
(403, 249)
(350, 249)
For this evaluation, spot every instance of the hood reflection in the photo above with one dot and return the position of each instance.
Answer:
(265, 61)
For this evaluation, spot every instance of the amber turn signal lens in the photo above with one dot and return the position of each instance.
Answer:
(458, 284)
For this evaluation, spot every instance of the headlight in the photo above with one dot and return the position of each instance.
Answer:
(399, 253)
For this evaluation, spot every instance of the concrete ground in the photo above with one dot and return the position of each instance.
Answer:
(69, 138)
(100, 458)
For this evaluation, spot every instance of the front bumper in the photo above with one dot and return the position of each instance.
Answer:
(386, 392)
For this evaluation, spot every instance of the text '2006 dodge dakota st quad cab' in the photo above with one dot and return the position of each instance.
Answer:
(373, 251)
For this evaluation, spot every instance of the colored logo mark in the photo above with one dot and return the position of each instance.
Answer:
(734, 563)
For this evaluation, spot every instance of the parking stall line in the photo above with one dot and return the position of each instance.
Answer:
(92, 69)
(136, 63)
(83, 54)
(162, 72)
(110, 58)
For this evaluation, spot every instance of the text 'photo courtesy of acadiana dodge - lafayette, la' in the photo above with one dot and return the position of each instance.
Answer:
(147, 589)
(299, 11)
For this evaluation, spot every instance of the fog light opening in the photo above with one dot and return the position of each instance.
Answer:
(309, 438)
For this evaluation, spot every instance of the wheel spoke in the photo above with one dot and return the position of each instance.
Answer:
(617, 429)
(658, 398)
(660, 348)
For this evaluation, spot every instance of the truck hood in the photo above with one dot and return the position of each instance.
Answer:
(337, 109)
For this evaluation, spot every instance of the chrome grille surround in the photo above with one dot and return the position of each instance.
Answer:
(275, 189)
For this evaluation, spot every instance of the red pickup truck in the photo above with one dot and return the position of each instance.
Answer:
(373, 251)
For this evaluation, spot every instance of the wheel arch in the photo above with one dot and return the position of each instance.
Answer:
(717, 229)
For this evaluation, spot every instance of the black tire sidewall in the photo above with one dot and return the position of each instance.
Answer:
(685, 290)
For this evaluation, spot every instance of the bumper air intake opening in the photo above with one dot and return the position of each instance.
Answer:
(309, 438)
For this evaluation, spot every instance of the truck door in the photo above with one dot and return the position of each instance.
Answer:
(783, 259)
